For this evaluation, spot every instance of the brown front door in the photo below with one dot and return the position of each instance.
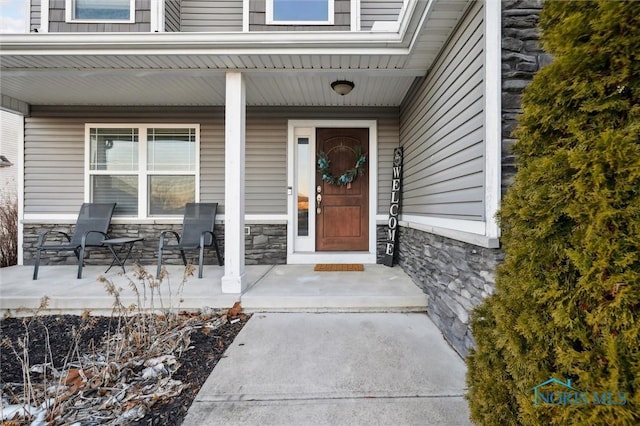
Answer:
(342, 215)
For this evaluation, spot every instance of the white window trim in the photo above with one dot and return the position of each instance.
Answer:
(270, 21)
(157, 16)
(142, 171)
(69, 15)
(245, 15)
(355, 15)
(44, 16)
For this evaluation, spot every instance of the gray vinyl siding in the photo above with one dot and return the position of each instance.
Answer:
(378, 10)
(211, 16)
(441, 129)
(54, 151)
(266, 163)
(342, 18)
(57, 18)
(55, 144)
(54, 165)
(388, 140)
(172, 15)
(34, 15)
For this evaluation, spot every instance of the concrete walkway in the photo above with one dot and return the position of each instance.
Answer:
(335, 369)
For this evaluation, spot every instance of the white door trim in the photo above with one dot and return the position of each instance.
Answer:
(309, 257)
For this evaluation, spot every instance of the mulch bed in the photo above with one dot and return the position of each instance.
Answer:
(51, 340)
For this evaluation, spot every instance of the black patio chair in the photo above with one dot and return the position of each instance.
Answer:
(197, 233)
(90, 229)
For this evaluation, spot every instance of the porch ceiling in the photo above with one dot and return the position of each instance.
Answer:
(198, 89)
(189, 68)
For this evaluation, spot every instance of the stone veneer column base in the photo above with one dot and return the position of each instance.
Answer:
(455, 275)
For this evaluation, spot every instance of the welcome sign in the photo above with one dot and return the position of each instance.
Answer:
(394, 207)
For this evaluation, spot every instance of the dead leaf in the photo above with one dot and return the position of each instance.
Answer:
(235, 310)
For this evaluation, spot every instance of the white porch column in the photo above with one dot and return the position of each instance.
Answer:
(234, 279)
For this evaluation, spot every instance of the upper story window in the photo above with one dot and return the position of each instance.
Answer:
(300, 12)
(100, 10)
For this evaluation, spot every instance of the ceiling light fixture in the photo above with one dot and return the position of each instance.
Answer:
(342, 87)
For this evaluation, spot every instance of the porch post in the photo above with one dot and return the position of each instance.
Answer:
(234, 279)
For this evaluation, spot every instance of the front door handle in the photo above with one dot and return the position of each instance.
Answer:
(318, 201)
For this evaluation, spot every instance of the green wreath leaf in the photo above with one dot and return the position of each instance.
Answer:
(324, 166)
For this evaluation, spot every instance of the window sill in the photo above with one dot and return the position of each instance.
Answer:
(101, 21)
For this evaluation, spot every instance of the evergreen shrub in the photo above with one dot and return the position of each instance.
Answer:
(567, 300)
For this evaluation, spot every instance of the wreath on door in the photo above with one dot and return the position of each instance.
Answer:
(324, 165)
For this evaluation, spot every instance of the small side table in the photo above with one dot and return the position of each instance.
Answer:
(126, 243)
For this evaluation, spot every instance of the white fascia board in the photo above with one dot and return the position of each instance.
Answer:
(228, 43)
(361, 49)
(99, 42)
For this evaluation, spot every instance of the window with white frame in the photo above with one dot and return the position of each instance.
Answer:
(100, 10)
(148, 170)
(299, 12)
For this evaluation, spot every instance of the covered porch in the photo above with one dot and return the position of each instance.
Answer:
(271, 288)
(249, 98)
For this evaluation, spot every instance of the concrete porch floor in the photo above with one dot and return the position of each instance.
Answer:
(271, 288)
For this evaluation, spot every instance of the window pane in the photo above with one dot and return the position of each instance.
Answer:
(303, 187)
(102, 9)
(300, 10)
(171, 150)
(169, 194)
(116, 189)
(114, 149)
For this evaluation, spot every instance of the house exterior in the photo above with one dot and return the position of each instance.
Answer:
(154, 103)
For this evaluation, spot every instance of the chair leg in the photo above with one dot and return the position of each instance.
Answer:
(160, 250)
(80, 256)
(215, 245)
(80, 261)
(37, 265)
(201, 261)
(184, 258)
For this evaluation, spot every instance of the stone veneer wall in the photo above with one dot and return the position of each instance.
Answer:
(521, 58)
(266, 245)
(455, 275)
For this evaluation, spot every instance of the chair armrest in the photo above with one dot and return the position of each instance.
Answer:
(162, 237)
(43, 236)
(83, 241)
(204, 233)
